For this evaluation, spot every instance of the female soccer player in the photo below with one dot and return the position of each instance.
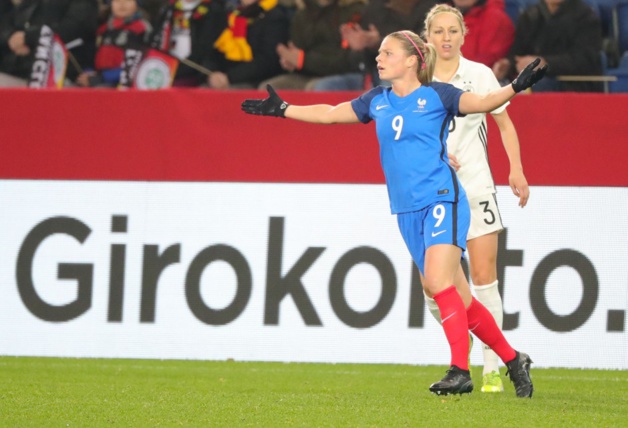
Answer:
(467, 146)
(412, 119)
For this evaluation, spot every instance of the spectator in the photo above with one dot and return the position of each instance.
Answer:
(20, 29)
(315, 48)
(104, 10)
(290, 6)
(5, 7)
(490, 30)
(153, 9)
(188, 30)
(380, 17)
(567, 35)
(125, 28)
(247, 47)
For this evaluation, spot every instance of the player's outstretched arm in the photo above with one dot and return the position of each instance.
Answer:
(474, 103)
(318, 113)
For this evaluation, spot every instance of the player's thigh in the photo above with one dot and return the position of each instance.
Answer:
(411, 229)
(482, 252)
(447, 223)
(442, 262)
(482, 240)
(441, 223)
(445, 229)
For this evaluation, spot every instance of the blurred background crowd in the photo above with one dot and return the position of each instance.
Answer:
(318, 45)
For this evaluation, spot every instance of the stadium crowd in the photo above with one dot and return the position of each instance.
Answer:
(293, 44)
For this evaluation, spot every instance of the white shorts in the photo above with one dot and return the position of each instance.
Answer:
(485, 216)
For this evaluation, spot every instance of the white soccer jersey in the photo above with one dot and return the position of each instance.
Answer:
(468, 136)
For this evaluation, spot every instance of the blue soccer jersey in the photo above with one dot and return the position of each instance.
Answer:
(412, 133)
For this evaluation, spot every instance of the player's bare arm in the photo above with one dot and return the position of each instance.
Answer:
(516, 178)
(323, 113)
(318, 113)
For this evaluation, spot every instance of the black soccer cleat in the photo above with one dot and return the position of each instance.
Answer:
(456, 381)
(519, 371)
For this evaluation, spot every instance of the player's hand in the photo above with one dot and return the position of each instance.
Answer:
(271, 106)
(529, 76)
(453, 161)
(288, 56)
(519, 186)
(218, 80)
(17, 40)
(83, 78)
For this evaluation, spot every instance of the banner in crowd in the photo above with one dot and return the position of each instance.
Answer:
(148, 69)
(291, 272)
(51, 60)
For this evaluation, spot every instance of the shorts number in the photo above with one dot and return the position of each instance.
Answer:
(439, 214)
(397, 125)
(491, 219)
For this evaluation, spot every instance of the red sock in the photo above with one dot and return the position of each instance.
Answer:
(454, 321)
(483, 325)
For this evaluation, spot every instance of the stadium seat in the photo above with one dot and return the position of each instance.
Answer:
(527, 3)
(622, 25)
(513, 8)
(604, 61)
(595, 5)
(621, 72)
(607, 12)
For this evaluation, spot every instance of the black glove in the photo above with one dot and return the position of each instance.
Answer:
(271, 106)
(529, 76)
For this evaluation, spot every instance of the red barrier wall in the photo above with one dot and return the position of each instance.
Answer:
(201, 135)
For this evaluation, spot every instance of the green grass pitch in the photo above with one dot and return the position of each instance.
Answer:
(65, 392)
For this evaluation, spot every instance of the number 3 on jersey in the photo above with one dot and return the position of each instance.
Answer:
(491, 218)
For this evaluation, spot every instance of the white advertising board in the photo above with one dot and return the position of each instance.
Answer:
(290, 272)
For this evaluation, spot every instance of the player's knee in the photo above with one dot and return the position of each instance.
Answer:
(483, 278)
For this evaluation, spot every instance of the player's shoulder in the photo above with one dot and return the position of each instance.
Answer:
(477, 69)
(362, 104)
(369, 95)
(438, 85)
(476, 77)
(442, 88)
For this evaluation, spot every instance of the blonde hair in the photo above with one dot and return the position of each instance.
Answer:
(437, 10)
(412, 44)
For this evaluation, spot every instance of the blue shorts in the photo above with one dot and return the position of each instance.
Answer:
(438, 223)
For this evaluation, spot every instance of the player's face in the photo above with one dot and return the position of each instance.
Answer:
(123, 8)
(445, 34)
(392, 60)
